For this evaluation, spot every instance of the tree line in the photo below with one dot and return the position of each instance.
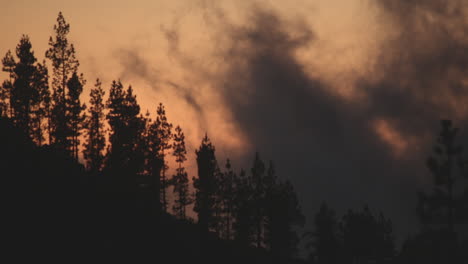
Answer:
(253, 208)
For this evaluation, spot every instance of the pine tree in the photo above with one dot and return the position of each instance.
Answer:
(23, 94)
(75, 115)
(258, 198)
(205, 184)
(95, 134)
(243, 210)
(180, 179)
(126, 127)
(441, 204)
(64, 64)
(226, 193)
(282, 214)
(41, 107)
(143, 145)
(366, 237)
(4, 97)
(9, 64)
(27, 91)
(124, 122)
(164, 134)
(155, 162)
(324, 239)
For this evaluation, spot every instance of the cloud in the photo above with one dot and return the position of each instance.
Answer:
(368, 149)
(333, 148)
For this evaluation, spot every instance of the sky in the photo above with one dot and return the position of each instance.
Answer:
(344, 96)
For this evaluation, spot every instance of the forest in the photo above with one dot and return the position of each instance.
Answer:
(91, 181)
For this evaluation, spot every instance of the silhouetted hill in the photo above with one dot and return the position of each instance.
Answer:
(54, 209)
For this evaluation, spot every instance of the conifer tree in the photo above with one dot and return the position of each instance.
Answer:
(155, 162)
(366, 236)
(126, 127)
(124, 122)
(180, 179)
(439, 207)
(283, 213)
(40, 119)
(4, 97)
(258, 198)
(115, 105)
(226, 193)
(75, 115)
(94, 132)
(8, 66)
(205, 184)
(243, 210)
(164, 134)
(23, 94)
(64, 64)
(143, 148)
(324, 239)
(26, 90)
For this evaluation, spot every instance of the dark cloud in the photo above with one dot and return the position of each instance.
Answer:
(325, 143)
(424, 63)
(328, 145)
(134, 65)
(186, 93)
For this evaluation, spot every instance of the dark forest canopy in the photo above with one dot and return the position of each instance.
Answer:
(121, 193)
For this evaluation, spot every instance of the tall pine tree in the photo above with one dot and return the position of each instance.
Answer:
(95, 134)
(164, 134)
(8, 66)
(75, 109)
(226, 194)
(23, 92)
(154, 162)
(180, 179)
(324, 239)
(126, 127)
(243, 210)
(258, 198)
(40, 111)
(26, 92)
(64, 65)
(205, 184)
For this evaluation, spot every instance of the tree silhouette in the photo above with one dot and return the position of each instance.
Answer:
(444, 206)
(4, 99)
(325, 241)
(258, 198)
(164, 134)
(180, 179)
(126, 127)
(226, 194)
(442, 166)
(205, 184)
(40, 111)
(26, 91)
(94, 129)
(8, 66)
(64, 65)
(366, 237)
(282, 214)
(154, 162)
(23, 92)
(75, 116)
(243, 210)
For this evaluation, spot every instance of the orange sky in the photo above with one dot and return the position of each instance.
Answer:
(105, 33)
